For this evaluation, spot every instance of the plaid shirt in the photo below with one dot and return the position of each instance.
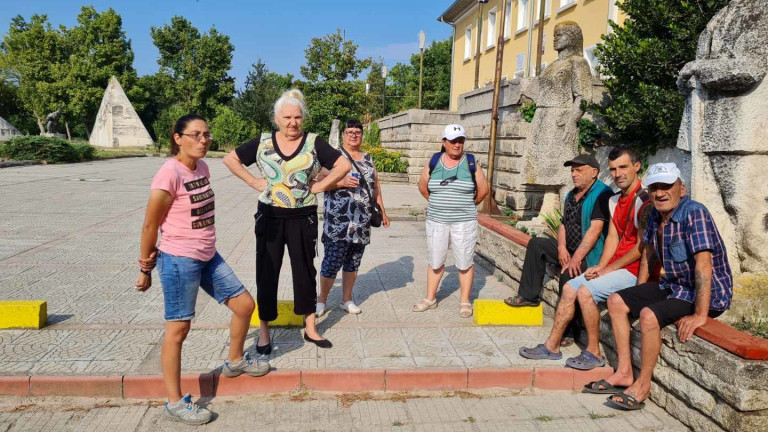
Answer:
(690, 230)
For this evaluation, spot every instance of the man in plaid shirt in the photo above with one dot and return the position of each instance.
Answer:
(695, 282)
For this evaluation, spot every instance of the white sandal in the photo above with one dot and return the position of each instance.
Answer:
(424, 305)
(465, 310)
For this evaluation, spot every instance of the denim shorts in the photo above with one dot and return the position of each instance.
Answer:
(181, 277)
(602, 287)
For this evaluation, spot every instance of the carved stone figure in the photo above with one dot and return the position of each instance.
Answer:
(554, 131)
(725, 127)
(52, 121)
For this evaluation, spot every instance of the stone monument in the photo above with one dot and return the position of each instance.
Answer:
(554, 136)
(7, 131)
(725, 128)
(117, 124)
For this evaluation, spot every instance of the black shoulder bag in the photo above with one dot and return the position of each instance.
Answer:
(374, 208)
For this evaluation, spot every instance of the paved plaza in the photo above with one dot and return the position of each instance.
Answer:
(463, 411)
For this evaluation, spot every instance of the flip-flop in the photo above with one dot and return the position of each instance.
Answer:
(585, 361)
(540, 352)
(520, 301)
(628, 402)
(602, 387)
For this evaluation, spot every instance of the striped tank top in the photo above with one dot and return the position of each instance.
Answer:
(451, 193)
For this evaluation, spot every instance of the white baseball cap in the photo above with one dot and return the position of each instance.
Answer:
(667, 173)
(453, 131)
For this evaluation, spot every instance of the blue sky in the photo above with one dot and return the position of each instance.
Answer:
(276, 31)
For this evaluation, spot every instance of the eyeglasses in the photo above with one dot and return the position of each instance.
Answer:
(459, 140)
(207, 136)
(353, 133)
(448, 180)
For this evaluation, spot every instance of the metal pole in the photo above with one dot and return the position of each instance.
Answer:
(422, 40)
(542, 5)
(489, 205)
(531, 14)
(477, 50)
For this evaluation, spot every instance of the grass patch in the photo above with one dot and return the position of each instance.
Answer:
(544, 418)
(462, 394)
(469, 420)
(301, 395)
(346, 400)
(500, 277)
(398, 423)
(595, 416)
(395, 355)
(414, 212)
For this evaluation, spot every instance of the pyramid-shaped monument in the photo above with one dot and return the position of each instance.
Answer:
(117, 124)
(7, 131)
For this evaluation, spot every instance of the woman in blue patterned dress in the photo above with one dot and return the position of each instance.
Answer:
(347, 220)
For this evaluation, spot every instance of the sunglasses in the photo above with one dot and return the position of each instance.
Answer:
(448, 180)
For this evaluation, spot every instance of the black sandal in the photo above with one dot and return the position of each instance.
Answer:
(520, 301)
(628, 402)
(602, 387)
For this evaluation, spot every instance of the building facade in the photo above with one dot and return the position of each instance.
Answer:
(520, 43)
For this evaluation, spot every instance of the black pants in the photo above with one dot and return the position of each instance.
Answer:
(540, 252)
(272, 235)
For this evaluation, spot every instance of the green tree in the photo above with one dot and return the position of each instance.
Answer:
(436, 86)
(11, 107)
(97, 49)
(196, 66)
(331, 65)
(33, 55)
(262, 88)
(229, 129)
(642, 60)
(376, 103)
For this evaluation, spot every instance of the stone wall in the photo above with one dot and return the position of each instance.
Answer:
(697, 382)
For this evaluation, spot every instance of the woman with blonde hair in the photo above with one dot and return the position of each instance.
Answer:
(289, 160)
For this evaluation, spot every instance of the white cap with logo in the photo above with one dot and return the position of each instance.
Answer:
(453, 131)
(667, 173)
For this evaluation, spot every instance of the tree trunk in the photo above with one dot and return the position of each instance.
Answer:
(39, 123)
(69, 135)
(88, 133)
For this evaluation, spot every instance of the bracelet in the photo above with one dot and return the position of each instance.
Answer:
(148, 273)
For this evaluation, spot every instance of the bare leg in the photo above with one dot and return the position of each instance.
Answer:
(242, 308)
(170, 357)
(433, 281)
(326, 284)
(465, 283)
(563, 316)
(263, 333)
(348, 284)
(620, 322)
(309, 327)
(650, 354)
(591, 315)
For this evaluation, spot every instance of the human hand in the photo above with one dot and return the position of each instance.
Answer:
(147, 264)
(259, 184)
(571, 134)
(573, 267)
(385, 220)
(687, 325)
(314, 187)
(563, 256)
(348, 182)
(144, 282)
(593, 272)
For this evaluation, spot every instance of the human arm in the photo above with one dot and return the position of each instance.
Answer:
(482, 184)
(609, 249)
(235, 165)
(157, 207)
(723, 74)
(380, 200)
(424, 182)
(703, 285)
(573, 266)
(562, 251)
(646, 255)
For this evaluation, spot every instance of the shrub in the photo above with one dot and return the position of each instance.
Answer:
(553, 221)
(383, 160)
(229, 129)
(528, 111)
(49, 149)
(84, 151)
(589, 133)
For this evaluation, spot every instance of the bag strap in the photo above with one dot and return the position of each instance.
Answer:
(630, 212)
(361, 177)
(433, 161)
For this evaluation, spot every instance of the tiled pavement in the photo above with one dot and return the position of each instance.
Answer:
(69, 234)
(554, 411)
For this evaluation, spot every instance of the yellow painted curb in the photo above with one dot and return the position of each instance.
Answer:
(23, 314)
(285, 315)
(495, 312)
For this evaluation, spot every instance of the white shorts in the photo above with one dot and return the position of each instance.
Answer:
(461, 236)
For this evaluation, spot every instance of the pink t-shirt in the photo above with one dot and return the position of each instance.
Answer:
(188, 228)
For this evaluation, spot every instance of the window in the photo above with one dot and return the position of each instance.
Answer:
(547, 10)
(520, 65)
(491, 32)
(508, 20)
(522, 14)
(589, 54)
(468, 43)
(565, 4)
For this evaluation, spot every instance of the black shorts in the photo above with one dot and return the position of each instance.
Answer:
(667, 310)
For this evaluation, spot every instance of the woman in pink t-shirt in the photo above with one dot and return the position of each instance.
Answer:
(181, 205)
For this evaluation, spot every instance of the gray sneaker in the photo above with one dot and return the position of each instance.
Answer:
(246, 365)
(184, 411)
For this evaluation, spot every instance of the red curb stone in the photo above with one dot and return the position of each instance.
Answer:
(151, 386)
(89, 386)
(582, 378)
(514, 378)
(273, 382)
(553, 378)
(344, 380)
(404, 380)
(730, 339)
(503, 229)
(14, 385)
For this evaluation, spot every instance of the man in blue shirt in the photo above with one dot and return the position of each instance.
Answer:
(695, 282)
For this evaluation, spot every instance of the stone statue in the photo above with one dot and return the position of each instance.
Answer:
(554, 135)
(52, 121)
(725, 127)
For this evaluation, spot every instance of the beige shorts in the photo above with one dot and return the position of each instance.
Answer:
(461, 236)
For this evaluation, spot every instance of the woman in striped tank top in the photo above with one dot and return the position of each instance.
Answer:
(453, 193)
